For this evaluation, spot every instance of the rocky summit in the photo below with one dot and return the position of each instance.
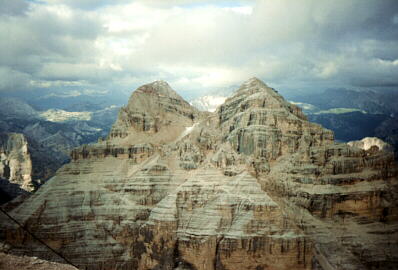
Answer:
(253, 185)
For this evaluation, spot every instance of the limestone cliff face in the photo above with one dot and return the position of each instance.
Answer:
(253, 185)
(15, 165)
(155, 109)
(259, 124)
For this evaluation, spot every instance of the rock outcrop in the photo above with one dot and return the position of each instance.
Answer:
(368, 142)
(15, 165)
(253, 185)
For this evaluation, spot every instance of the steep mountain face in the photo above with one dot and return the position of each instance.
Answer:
(15, 166)
(252, 186)
(155, 109)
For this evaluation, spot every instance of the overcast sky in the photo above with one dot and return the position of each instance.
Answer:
(197, 46)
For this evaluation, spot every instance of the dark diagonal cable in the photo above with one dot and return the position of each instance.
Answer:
(37, 239)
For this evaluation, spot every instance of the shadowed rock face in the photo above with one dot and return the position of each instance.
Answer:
(253, 185)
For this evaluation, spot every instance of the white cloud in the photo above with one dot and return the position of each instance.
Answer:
(76, 93)
(327, 70)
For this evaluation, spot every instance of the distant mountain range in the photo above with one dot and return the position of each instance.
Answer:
(53, 133)
(353, 115)
(74, 101)
(369, 101)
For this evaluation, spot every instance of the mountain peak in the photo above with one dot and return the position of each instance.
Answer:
(154, 108)
(255, 85)
(160, 88)
(254, 80)
(254, 94)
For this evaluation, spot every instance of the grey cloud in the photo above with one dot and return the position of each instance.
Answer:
(13, 80)
(28, 43)
(330, 32)
(87, 4)
(204, 45)
(96, 4)
(13, 7)
(72, 72)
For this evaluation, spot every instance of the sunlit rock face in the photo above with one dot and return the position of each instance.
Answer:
(154, 109)
(15, 165)
(253, 185)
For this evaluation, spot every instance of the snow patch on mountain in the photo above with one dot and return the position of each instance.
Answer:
(208, 103)
(57, 115)
(367, 142)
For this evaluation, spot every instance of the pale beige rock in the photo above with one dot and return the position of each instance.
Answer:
(15, 164)
(153, 109)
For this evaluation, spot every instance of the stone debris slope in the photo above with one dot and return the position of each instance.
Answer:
(8, 262)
